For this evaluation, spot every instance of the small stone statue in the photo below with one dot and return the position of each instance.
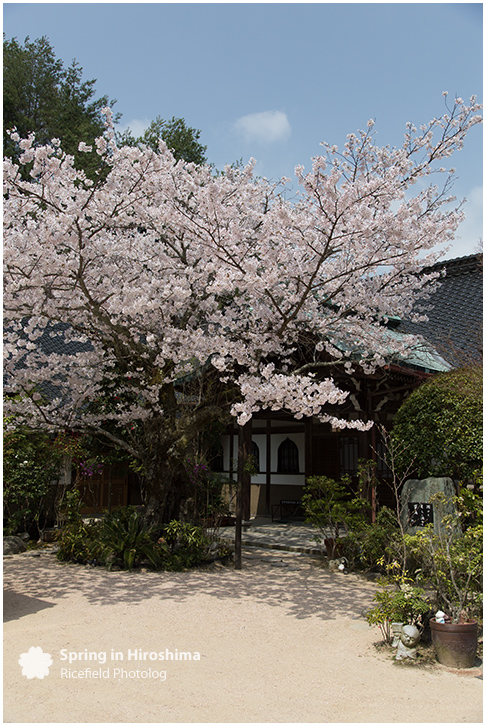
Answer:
(409, 638)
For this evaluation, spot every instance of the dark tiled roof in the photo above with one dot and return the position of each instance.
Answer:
(455, 312)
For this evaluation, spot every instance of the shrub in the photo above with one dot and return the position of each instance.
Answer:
(398, 601)
(450, 557)
(29, 466)
(79, 542)
(188, 545)
(123, 539)
(438, 429)
(127, 540)
(366, 545)
(331, 507)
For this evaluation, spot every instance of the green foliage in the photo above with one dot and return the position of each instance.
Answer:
(450, 557)
(332, 507)
(367, 544)
(79, 539)
(397, 601)
(205, 491)
(123, 539)
(43, 97)
(188, 545)
(438, 429)
(79, 542)
(30, 465)
(181, 139)
(72, 505)
(127, 540)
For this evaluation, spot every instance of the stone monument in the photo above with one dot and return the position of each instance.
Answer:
(417, 509)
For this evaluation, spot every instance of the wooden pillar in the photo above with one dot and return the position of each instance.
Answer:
(245, 474)
(243, 487)
(308, 448)
(268, 468)
(373, 456)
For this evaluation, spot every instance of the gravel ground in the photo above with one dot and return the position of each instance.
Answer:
(280, 641)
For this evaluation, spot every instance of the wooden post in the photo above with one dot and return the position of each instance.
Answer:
(268, 467)
(374, 457)
(244, 444)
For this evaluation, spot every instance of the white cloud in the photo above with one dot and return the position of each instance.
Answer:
(136, 126)
(266, 127)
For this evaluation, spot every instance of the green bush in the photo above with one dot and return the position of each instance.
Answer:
(398, 601)
(30, 465)
(127, 540)
(438, 430)
(368, 544)
(332, 507)
(79, 542)
(123, 539)
(188, 545)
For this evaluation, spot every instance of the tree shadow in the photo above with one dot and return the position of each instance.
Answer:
(299, 589)
(16, 605)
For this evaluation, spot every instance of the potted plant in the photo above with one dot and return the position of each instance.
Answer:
(332, 509)
(451, 558)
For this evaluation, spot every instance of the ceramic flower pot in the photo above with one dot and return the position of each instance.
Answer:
(455, 644)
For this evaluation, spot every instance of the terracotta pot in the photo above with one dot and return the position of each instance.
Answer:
(455, 643)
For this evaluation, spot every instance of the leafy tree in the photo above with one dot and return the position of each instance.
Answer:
(41, 96)
(438, 429)
(182, 140)
(187, 297)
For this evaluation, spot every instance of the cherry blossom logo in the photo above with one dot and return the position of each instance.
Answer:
(35, 663)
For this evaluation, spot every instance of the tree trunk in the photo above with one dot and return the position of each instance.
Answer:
(163, 491)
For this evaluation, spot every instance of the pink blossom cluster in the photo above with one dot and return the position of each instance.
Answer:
(160, 269)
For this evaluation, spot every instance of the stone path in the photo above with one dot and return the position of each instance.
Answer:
(291, 536)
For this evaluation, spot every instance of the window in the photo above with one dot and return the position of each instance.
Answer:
(288, 457)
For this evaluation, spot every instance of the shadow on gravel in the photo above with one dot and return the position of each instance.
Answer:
(300, 589)
(16, 605)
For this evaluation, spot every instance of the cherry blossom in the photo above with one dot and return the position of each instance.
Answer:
(163, 274)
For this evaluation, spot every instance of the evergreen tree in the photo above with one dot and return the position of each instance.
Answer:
(41, 96)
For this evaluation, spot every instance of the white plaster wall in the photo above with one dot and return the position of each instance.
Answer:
(261, 441)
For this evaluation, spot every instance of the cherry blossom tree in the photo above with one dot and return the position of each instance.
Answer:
(177, 297)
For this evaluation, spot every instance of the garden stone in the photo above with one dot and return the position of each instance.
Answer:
(13, 545)
(417, 511)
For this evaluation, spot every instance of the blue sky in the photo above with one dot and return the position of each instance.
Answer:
(273, 80)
